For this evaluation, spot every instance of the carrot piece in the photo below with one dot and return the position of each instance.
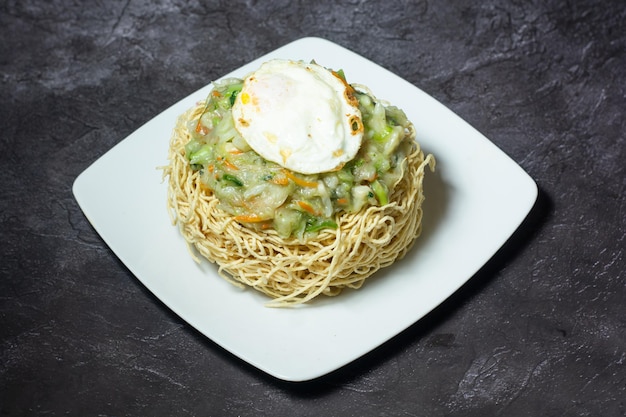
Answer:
(307, 207)
(301, 182)
(342, 201)
(201, 129)
(249, 218)
(229, 164)
(279, 180)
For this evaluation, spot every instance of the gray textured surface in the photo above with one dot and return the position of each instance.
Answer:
(540, 330)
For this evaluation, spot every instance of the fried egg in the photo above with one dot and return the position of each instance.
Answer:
(300, 116)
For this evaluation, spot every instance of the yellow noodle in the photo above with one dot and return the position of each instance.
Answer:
(288, 270)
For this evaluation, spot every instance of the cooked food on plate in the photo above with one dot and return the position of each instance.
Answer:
(295, 182)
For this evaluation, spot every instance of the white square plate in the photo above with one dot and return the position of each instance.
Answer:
(474, 202)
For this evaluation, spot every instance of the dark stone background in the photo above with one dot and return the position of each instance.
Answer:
(539, 331)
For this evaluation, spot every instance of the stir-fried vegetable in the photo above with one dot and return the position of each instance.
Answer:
(266, 195)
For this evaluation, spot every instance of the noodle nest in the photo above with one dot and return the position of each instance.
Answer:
(289, 270)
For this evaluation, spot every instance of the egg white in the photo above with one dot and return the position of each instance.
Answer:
(299, 115)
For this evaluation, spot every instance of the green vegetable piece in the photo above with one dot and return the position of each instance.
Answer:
(192, 147)
(380, 191)
(233, 96)
(319, 225)
(233, 179)
(382, 135)
(230, 94)
(202, 155)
